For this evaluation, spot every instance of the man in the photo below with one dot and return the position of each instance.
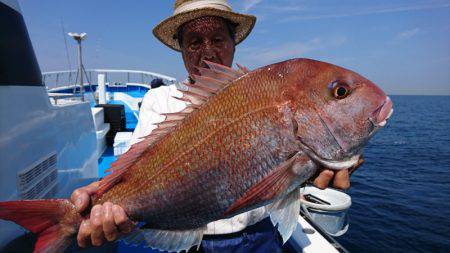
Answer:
(201, 30)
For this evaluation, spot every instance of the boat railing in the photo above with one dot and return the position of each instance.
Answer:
(116, 77)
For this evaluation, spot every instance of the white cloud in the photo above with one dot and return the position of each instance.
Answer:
(269, 10)
(250, 4)
(407, 34)
(371, 11)
(277, 6)
(286, 8)
(262, 56)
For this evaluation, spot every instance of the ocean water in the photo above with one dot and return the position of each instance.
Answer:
(401, 195)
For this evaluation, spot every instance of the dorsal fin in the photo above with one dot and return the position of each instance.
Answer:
(211, 82)
(223, 69)
(183, 99)
(175, 115)
(119, 167)
(206, 89)
(198, 90)
(195, 98)
(167, 124)
(244, 70)
(219, 76)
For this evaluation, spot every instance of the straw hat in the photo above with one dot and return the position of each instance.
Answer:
(187, 10)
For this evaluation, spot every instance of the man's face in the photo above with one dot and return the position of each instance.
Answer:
(206, 38)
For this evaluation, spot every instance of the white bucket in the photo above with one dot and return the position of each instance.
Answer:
(327, 208)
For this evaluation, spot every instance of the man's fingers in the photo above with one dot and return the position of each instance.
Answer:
(80, 199)
(97, 237)
(92, 188)
(109, 227)
(341, 179)
(84, 233)
(81, 196)
(324, 179)
(121, 219)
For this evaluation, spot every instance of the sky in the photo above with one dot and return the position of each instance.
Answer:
(401, 45)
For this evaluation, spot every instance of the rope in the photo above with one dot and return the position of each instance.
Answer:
(67, 48)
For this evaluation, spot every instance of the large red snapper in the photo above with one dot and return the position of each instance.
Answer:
(246, 140)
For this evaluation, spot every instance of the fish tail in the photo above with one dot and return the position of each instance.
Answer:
(54, 221)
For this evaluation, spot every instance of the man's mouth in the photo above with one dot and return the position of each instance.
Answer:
(206, 66)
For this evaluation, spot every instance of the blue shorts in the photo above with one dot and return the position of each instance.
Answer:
(261, 237)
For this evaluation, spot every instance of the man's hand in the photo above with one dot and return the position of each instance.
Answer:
(340, 178)
(106, 222)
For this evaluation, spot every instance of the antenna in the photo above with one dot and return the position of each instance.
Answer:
(79, 38)
(65, 44)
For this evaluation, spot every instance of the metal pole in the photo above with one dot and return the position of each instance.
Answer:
(101, 89)
(80, 70)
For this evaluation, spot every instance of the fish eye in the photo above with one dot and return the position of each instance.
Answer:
(340, 90)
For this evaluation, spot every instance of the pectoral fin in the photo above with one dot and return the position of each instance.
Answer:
(166, 240)
(272, 185)
(290, 173)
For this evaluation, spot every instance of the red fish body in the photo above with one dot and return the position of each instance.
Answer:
(245, 140)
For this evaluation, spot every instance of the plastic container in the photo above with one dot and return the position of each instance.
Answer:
(122, 142)
(327, 208)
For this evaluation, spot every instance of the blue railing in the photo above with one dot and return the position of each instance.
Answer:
(117, 77)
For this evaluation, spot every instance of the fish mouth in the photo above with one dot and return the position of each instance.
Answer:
(381, 115)
(329, 163)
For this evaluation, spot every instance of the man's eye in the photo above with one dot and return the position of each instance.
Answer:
(194, 44)
(217, 40)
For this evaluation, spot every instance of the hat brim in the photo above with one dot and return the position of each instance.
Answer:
(168, 28)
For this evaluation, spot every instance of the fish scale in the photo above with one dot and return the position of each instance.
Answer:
(247, 139)
(232, 109)
(222, 108)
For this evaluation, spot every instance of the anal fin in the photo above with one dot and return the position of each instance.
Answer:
(166, 240)
(284, 213)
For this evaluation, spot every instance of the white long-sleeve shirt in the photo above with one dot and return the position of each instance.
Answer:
(155, 102)
(160, 100)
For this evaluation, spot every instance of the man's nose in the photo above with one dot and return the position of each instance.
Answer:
(208, 53)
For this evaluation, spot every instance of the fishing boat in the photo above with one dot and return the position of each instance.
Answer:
(57, 135)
